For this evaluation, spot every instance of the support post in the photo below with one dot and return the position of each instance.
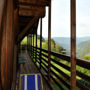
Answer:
(27, 42)
(73, 44)
(15, 66)
(40, 41)
(36, 48)
(30, 45)
(49, 38)
(7, 51)
(33, 47)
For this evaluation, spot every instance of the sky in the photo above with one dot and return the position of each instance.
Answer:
(61, 19)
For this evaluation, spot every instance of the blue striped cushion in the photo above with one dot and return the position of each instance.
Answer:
(31, 82)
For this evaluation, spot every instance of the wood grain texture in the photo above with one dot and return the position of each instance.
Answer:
(7, 47)
(73, 44)
(27, 28)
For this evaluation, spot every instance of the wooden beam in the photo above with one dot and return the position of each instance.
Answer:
(27, 28)
(37, 3)
(49, 39)
(73, 44)
(31, 11)
(7, 48)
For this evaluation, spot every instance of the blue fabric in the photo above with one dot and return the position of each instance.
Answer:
(23, 79)
(38, 79)
(31, 82)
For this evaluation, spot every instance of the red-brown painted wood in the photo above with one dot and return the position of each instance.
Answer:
(2, 14)
(7, 48)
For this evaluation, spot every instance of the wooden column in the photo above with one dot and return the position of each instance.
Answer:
(2, 17)
(15, 49)
(36, 48)
(7, 48)
(27, 43)
(30, 45)
(49, 38)
(40, 41)
(73, 44)
(15, 66)
(33, 46)
(3, 55)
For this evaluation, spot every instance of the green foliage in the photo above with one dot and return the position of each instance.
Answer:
(38, 37)
(24, 41)
(83, 49)
(54, 47)
(86, 57)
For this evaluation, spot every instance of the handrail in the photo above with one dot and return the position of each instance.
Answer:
(82, 62)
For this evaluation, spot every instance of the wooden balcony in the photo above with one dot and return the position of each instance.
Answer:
(20, 18)
(27, 66)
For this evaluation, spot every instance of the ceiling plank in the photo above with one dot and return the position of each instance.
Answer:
(27, 28)
(36, 3)
(31, 11)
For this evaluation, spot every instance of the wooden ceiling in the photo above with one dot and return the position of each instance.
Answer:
(27, 10)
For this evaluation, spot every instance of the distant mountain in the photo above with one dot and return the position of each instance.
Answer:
(83, 49)
(82, 45)
(65, 42)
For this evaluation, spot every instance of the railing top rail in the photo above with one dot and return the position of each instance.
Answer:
(80, 62)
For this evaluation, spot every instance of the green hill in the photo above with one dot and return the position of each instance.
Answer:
(54, 46)
(83, 49)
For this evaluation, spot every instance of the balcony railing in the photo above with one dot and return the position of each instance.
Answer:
(60, 68)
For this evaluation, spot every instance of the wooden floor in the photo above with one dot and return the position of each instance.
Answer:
(29, 68)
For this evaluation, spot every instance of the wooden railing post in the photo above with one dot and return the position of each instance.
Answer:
(36, 49)
(27, 43)
(33, 46)
(40, 41)
(49, 38)
(30, 44)
(73, 44)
